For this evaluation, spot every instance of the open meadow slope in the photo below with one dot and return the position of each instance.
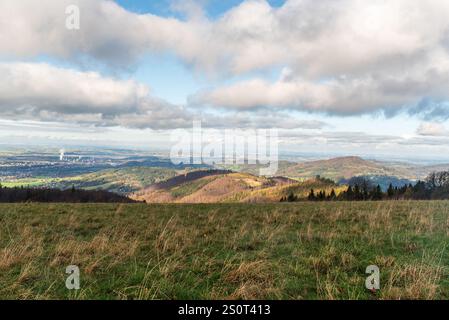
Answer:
(232, 251)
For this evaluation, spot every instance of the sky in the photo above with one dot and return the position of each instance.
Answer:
(336, 77)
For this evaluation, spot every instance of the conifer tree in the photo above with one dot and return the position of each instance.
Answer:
(332, 195)
(311, 196)
(390, 191)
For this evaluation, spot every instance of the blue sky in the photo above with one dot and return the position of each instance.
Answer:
(335, 77)
(214, 8)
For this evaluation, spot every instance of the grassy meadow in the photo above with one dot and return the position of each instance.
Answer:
(225, 251)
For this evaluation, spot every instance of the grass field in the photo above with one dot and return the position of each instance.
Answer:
(229, 251)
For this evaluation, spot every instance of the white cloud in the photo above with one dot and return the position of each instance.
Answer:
(108, 33)
(47, 93)
(433, 129)
(319, 39)
(41, 91)
(390, 93)
(44, 87)
(343, 56)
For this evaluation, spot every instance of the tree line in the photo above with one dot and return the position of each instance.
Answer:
(434, 187)
(21, 194)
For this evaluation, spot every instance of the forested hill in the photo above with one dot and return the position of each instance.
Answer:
(12, 195)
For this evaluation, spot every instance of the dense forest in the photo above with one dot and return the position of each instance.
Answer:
(435, 187)
(12, 195)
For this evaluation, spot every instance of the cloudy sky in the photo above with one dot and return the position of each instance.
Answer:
(351, 77)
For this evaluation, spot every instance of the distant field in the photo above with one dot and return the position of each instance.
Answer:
(231, 251)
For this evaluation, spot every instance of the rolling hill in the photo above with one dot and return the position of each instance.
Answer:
(342, 168)
(424, 171)
(197, 182)
(345, 168)
(118, 180)
(217, 187)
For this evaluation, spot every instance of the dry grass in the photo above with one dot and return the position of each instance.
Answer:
(229, 251)
(23, 248)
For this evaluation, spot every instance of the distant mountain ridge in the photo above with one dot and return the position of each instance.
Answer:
(129, 179)
(341, 168)
(220, 185)
(347, 167)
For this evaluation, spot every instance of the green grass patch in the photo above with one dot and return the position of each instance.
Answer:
(225, 251)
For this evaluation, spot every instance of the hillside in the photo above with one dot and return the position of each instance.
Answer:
(225, 251)
(118, 180)
(344, 168)
(133, 179)
(254, 169)
(424, 171)
(216, 186)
